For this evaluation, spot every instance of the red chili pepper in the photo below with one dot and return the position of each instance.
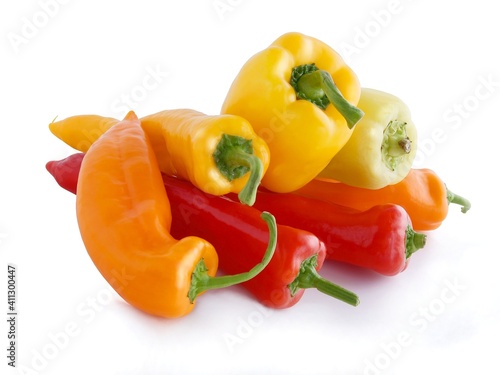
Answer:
(380, 238)
(230, 227)
(65, 171)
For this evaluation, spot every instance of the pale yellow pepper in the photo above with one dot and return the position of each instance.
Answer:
(382, 147)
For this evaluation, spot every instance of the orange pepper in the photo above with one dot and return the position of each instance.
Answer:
(421, 193)
(124, 218)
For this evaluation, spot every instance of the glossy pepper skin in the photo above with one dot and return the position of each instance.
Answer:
(124, 219)
(275, 91)
(65, 171)
(240, 238)
(380, 238)
(231, 226)
(421, 193)
(81, 131)
(382, 146)
(218, 154)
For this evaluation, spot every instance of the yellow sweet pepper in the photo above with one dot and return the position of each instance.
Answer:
(382, 147)
(219, 154)
(81, 131)
(285, 92)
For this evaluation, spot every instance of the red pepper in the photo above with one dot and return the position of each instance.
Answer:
(65, 171)
(380, 238)
(232, 227)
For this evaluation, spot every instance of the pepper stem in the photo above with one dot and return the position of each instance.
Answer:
(457, 199)
(234, 157)
(308, 277)
(414, 241)
(318, 87)
(201, 281)
(248, 194)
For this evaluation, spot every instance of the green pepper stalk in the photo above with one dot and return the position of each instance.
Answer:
(317, 86)
(451, 197)
(308, 277)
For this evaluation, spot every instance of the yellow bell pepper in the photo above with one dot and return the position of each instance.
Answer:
(285, 92)
(218, 154)
(382, 147)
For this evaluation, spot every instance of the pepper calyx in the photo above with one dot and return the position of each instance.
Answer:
(199, 277)
(234, 157)
(395, 144)
(414, 241)
(313, 92)
(318, 87)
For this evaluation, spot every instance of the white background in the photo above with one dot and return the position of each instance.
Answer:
(78, 57)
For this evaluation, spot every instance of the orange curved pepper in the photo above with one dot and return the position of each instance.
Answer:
(124, 218)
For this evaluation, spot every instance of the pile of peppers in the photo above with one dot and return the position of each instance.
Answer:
(301, 166)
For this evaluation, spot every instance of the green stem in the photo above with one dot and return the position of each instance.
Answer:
(318, 87)
(234, 158)
(457, 199)
(249, 192)
(414, 241)
(201, 281)
(395, 144)
(308, 277)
